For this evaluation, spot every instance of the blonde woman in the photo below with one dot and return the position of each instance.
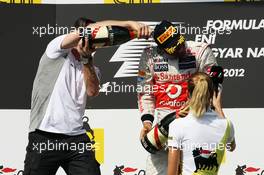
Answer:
(197, 142)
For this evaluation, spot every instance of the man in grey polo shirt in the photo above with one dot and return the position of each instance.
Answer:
(65, 76)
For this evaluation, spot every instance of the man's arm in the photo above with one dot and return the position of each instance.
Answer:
(112, 22)
(89, 73)
(91, 79)
(207, 59)
(143, 30)
(72, 39)
(146, 99)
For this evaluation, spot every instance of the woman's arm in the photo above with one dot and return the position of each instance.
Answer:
(217, 103)
(173, 161)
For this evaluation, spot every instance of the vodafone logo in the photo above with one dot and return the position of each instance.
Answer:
(174, 91)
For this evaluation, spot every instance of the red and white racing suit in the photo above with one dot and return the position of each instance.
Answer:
(162, 79)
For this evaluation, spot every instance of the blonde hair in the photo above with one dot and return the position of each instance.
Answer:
(200, 87)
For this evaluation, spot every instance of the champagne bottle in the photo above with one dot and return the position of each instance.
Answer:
(105, 36)
(156, 138)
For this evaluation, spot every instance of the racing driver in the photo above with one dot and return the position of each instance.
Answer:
(162, 76)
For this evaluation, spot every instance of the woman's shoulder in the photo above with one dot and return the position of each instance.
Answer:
(214, 117)
(183, 121)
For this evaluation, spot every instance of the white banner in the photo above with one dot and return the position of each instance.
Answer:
(121, 140)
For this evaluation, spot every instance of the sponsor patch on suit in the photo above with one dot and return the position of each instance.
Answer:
(161, 67)
(160, 59)
(139, 79)
(141, 73)
(187, 62)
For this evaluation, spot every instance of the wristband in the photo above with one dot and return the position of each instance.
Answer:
(148, 117)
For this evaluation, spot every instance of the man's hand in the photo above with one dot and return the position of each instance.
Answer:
(142, 30)
(84, 49)
(146, 128)
(183, 112)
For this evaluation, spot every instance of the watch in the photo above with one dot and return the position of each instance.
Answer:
(86, 59)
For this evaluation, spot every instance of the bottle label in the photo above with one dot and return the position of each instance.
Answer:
(103, 36)
(99, 36)
(133, 34)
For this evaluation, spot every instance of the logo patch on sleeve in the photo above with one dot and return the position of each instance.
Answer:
(187, 63)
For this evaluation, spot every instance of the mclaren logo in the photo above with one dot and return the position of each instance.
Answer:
(130, 54)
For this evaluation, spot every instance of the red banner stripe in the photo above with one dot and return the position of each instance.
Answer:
(252, 169)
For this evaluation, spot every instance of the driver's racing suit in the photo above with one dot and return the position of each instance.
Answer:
(163, 87)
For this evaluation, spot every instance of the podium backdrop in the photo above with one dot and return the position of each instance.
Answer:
(236, 37)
